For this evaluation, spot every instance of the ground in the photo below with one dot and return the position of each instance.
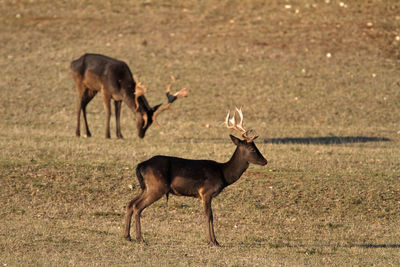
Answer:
(319, 81)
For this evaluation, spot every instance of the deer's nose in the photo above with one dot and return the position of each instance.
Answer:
(141, 133)
(264, 162)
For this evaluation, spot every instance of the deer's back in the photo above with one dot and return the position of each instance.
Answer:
(185, 177)
(97, 70)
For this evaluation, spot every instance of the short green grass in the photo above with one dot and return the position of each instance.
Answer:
(329, 127)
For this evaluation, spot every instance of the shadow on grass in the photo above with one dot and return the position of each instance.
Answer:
(325, 140)
(367, 245)
(311, 248)
(322, 140)
(374, 245)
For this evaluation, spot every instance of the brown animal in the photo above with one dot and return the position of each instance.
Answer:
(202, 179)
(95, 73)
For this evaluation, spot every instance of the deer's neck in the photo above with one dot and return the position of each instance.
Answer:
(234, 168)
(129, 99)
(144, 104)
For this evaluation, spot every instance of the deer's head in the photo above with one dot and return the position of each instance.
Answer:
(145, 114)
(246, 147)
(144, 119)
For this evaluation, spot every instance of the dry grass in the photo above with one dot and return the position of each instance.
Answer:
(329, 127)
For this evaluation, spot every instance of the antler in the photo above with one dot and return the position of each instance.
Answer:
(231, 123)
(181, 93)
(171, 98)
(139, 91)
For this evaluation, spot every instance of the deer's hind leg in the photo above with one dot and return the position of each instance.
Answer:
(146, 199)
(128, 216)
(154, 185)
(85, 95)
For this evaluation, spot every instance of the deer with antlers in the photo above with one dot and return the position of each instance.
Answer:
(204, 179)
(95, 73)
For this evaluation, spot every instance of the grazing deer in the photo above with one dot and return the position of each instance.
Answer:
(204, 179)
(95, 73)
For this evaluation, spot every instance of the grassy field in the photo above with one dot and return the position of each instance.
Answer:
(318, 80)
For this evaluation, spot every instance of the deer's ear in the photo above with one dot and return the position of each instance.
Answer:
(235, 140)
(156, 107)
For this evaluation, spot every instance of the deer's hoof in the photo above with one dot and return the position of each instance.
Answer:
(87, 135)
(128, 238)
(141, 241)
(214, 243)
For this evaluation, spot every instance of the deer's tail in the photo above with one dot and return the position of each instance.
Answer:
(140, 177)
(78, 65)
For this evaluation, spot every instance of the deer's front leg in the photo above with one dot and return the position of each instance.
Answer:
(107, 107)
(78, 118)
(118, 105)
(209, 220)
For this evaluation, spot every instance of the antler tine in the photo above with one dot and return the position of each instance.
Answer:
(226, 122)
(173, 79)
(229, 122)
(168, 90)
(232, 123)
(250, 139)
(171, 98)
(240, 125)
(139, 91)
(138, 83)
(158, 111)
(182, 93)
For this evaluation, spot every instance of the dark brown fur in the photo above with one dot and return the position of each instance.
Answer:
(204, 179)
(95, 73)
